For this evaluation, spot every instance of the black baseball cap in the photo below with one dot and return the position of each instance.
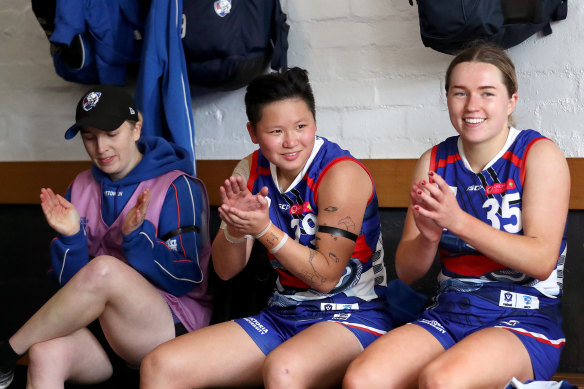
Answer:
(104, 107)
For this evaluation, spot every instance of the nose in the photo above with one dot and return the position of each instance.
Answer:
(290, 139)
(472, 102)
(101, 143)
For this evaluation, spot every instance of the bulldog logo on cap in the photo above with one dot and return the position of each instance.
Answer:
(90, 101)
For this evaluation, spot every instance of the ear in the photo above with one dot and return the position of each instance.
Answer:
(137, 131)
(512, 103)
(252, 133)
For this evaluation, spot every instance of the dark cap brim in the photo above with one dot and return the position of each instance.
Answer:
(104, 124)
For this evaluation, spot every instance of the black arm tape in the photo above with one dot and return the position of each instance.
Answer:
(178, 231)
(337, 231)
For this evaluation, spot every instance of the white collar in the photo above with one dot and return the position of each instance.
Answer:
(318, 142)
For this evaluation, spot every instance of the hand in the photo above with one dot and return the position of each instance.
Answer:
(61, 215)
(250, 222)
(135, 217)
(435, 205)
(235, 194)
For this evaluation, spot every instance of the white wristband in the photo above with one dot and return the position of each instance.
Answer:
(232, 239)
(264, 231)
(277, 248)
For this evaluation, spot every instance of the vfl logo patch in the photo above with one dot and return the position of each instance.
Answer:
(222, 7)
(339, 307)
(517, 300)
(90, 100)
(500, 187)
(298, 209)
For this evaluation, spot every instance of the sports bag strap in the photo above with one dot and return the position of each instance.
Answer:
(279, 38)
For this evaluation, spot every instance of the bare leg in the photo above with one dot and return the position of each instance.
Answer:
(78, 358)
(486, 359)
(219, 355)
(133, 314)
(395, 360)
(315, 358)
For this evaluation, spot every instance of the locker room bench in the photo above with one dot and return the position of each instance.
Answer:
(24, 285)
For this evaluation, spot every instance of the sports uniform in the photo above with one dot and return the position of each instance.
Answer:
(477, 292)
(358, 300)
(165, 249)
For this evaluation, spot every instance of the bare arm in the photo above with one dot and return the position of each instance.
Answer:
(420, 237)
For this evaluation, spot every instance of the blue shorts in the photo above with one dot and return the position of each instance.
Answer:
(273, 326)
(460, 310)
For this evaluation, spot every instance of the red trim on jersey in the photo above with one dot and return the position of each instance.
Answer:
(376, 333)
(471, 265)
(362, 250)
(539, 339)
(524, 160)
(433, 158)
(253, 171)
(315, 188)
(178, 217)
(450, 159)
(287, 279)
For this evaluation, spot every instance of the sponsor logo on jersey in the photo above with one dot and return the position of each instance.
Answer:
(510, 323)
(284, 207)
(298, 209)
(90, 100)
(517, 300)
(222, 7)
(257, 325)
(341, 316)
(171, 243)
(500, 187)
(435, 324)
(339, 307)
(474, 188)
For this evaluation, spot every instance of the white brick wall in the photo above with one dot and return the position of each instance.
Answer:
(379, 91)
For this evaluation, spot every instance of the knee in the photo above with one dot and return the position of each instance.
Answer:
(97, 273)
(159, 366)
(46, 356)
(279, 371)
(438, 376)
(364, 375)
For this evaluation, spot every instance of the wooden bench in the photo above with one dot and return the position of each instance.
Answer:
(21, 183)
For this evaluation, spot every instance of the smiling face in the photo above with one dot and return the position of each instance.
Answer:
(479, 105)
(113, 152)
(285, 134)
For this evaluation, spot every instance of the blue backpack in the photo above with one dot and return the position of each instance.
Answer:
(449, 25)
(227, 43)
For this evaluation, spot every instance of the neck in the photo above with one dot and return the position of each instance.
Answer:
(479, 155)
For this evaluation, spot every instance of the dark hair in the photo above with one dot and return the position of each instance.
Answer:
(269, 88)
(484, 52)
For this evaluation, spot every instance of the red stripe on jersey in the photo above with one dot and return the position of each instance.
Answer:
(326, 169)
(448, 160)
(525, 153)
(287, 279)
(362, 250)
(253, 171)
(433, 158)
(538, 338)
(515, 160)
(471, 265)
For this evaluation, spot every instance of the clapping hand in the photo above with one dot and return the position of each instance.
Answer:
(135, 216)
(61, 215)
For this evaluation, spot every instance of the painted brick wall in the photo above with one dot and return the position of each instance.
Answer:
(379, 91)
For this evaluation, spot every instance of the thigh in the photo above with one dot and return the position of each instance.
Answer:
(136, 317)
(219, 355)
(394, 360)
(486, 358)
(78, 357)
(316, 357)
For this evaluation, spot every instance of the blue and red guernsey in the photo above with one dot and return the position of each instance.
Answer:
(295, 212)
(493, 196)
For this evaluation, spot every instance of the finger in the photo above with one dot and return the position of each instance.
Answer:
(223, 193)
(241, 183)
(63, 202)
(235, 185)
(228, 188)
(264, 191)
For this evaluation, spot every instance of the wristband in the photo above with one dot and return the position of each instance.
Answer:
(264, 231)
(277, 248)
(232, 239)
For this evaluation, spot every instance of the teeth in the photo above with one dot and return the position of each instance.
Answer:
(474, 121)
